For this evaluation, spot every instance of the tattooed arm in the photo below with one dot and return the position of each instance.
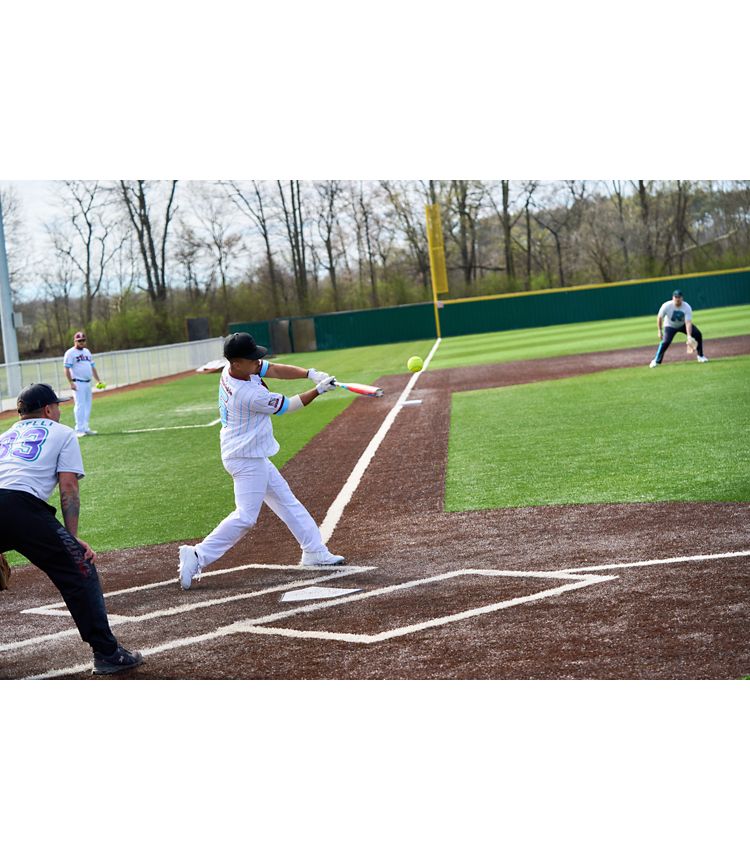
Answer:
(70, 504)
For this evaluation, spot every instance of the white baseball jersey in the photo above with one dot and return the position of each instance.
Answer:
(33, 451)
(245, 407)
(675, 317)
(80, 362)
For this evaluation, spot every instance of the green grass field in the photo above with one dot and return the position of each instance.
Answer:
(549, 341)
(153, 487)
(681, 433)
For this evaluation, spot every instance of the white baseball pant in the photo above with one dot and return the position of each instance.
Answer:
(257, 480)
(82, 408)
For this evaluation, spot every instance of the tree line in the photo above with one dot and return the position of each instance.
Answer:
(131, 260)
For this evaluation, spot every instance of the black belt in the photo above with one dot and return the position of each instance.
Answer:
(81, 380)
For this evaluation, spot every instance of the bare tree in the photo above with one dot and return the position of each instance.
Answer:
(367, 224)
(408, 209)
(507, 222)
(644, 200)
(681, 231)
(58, 286)
(329, 193)
(617, 196)
(562, 218)
(188, 255)
(529, 188)
(87, 237)
(218, 237)
(465, 201)
(250, 201)
(16, 238)
(152, 236)
(295, 229)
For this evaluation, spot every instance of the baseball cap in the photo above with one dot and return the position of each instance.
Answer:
(37, 396)
(78, 334)
(676, 293)
(243, 345)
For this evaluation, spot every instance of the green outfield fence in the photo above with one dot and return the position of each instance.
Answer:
(498, 313)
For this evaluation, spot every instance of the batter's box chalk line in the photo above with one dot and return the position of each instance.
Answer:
(59, 610)
(573, 579)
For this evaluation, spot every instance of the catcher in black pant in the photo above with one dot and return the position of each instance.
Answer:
(36, 453)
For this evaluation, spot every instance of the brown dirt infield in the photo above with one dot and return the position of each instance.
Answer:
(683, 620)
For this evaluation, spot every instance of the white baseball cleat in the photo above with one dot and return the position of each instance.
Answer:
(702, 359)
(90, 432)
(322, 557)
(189, 567)
(653, 363)
(80, 435)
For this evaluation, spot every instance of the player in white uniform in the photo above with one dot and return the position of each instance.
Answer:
(36, 453)
(79, 368)
(673, 317)
(247, 441)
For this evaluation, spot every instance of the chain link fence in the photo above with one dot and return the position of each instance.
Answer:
(124, 367)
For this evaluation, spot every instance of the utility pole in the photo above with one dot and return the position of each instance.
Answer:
(10, 343)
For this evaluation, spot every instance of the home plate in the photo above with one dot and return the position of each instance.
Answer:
(316, 593)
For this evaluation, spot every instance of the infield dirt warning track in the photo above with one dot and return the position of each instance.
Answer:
(587, 591)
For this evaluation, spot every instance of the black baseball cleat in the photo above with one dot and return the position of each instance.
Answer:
(117, 662)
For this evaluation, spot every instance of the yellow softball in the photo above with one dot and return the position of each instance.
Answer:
(414, 363)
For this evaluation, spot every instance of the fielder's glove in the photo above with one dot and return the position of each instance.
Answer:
(327, 384)
(4, 573)
(692, 344)
(316, 375)
(101, 384)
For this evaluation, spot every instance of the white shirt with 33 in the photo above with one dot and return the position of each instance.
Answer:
(33, 451)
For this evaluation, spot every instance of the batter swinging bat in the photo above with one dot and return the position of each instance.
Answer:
(360, 388)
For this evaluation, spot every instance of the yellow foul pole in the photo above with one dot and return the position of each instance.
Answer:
(438, 271)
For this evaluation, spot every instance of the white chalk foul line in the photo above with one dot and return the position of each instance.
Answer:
(655, 561)
(352, 482)
(176, 427)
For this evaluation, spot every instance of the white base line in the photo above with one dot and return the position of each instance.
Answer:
(116, 620)
(42, 610)
(253, 625)
(583, 578)
(651, 562)
(352, 482)
(176, 427)
(369, 638)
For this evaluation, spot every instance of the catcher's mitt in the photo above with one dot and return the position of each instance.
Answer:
(692, 344)
(4, 573)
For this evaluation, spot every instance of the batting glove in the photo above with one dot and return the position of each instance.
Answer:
(327, 384)
(316, 375)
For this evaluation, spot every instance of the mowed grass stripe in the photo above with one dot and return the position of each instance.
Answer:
(679, 433)
(577, 338)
